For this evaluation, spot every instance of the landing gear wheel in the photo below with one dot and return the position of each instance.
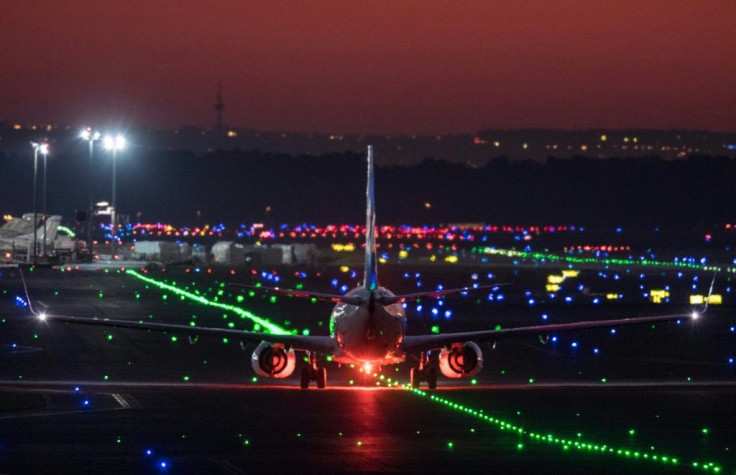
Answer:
(321, 377)
(431, 378)
(306, 377)
(416, 376)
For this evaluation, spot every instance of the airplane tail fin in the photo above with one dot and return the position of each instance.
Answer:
(51, 225)
(371, 259)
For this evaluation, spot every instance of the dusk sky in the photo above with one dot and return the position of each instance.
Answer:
(348, 66)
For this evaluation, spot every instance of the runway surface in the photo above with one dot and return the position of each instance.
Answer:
(77, 399)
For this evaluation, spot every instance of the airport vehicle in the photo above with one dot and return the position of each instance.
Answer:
(368, 328)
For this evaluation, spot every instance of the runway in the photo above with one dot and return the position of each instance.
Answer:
(89, 400)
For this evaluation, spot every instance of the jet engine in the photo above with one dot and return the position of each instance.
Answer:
(461, 360)
(273, 361)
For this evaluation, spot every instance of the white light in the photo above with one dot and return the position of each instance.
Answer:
(89, 135)
(695, 315)
(40, 147)
(114, 143)
(42, 317)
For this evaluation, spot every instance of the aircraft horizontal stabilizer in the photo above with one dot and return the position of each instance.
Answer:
(387, 300)
(304, 294)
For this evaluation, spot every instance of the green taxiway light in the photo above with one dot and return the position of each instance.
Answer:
(566, 445)
(267, 325)
(540, 256)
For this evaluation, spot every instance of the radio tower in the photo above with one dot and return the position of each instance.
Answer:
(219, 106)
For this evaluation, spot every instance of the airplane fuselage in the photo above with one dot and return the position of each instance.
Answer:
(370, 332)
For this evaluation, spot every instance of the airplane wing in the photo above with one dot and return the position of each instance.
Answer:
(304, 294)
(432, 342)
(321, 344)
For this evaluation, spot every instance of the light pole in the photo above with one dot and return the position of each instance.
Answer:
(43, 148)
(90, 135)
(44, 152)
(114, 144)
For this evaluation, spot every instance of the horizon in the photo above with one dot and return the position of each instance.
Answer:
(413, 68)
(41, 125)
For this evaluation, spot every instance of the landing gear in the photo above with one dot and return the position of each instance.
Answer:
(424, 372)
(321, 378)
(306, 376)
(431, 376)
(415, 375)
(311, 372)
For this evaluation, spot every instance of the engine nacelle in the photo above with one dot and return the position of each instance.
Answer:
(461, 360)
(273, 361)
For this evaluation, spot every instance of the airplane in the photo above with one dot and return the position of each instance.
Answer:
(17, 234)
(368, 328)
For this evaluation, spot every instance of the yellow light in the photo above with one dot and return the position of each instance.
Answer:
(451, 259)
(604, 138)
(555, 279)
(525, 146)
(656, 296)
(553, 287)
(17, 126)
(715, 299)
(232, 133)
(403, 254)
(497, 144)
(697, 299)
(337, 247)
(570, 273)
(612, 296)
(583, 148)
(344, 269)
